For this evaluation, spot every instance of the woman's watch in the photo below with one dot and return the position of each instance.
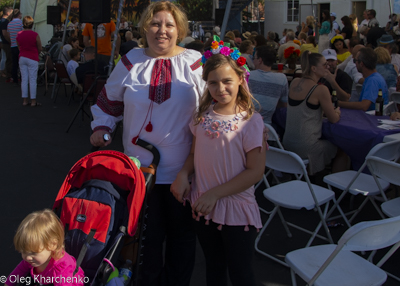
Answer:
(106, 137)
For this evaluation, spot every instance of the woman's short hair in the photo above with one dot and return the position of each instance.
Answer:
(27, 22)
(244, 46)
(311, 40)
(383, 56)
(176, 12)
(309, 60)
(260, 40)
(302, 36)
(271, 35)
(38, 231)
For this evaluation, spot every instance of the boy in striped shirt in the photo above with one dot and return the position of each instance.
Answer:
(13, 28)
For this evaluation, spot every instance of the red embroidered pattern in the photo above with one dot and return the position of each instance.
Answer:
(196, 65)
(160, 82)
(126, 63)
(114, 108)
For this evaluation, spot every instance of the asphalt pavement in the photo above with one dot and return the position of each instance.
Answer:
(37, 154)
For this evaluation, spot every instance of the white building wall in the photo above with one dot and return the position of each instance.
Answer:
(275, 12)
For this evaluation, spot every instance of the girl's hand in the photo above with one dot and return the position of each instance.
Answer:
(205, 203)
(180, 188)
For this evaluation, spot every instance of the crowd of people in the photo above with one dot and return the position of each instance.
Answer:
(203, 105)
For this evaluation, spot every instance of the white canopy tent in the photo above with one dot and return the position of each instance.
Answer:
(27, 8)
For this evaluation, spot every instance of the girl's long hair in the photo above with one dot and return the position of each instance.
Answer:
(244, 99)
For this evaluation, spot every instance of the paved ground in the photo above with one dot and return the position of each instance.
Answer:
(37, 154)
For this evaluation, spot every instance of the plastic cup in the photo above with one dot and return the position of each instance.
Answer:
(280, 66)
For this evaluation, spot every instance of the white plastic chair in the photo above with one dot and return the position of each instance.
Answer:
(358, 183)
(295, 195)
(334, 265)
(273, 136)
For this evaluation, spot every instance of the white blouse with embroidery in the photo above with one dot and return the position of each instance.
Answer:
(174, 86)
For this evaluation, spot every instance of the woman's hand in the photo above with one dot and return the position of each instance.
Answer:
(205, 203)
(97, 139)
(337, 111)
(180, 188)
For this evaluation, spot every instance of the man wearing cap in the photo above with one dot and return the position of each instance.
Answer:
(334, 78)
(335, 26)
(373, 22)
(389, 44)
(365, 61)
(217, 31)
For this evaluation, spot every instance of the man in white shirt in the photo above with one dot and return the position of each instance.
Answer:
(373, 22)
(290, 36)
(356, 76)
(364, 23)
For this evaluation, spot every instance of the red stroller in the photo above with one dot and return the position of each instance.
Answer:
(101, 200)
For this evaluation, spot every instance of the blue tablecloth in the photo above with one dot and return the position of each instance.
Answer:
(356, 133)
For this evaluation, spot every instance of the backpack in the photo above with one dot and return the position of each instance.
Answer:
(92, 216)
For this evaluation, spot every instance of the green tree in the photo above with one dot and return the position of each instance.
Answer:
(197, 10)
(8, 3)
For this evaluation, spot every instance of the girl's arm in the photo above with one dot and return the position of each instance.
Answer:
(180, 188)
(255, 166)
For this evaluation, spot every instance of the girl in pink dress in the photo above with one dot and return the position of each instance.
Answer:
(40, 240)
(227, 158)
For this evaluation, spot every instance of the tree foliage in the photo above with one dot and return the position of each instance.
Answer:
(197, 10)
(8, 3)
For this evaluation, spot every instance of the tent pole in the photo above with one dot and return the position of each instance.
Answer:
(390, 8)
(111, 62)
(226, 16)
(62, 44)
(34, 12)
(14, 4)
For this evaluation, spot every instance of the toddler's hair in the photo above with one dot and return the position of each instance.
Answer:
(244, 99)
(38, 231)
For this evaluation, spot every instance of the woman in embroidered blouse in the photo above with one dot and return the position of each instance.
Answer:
(325, 29)
(154, 91)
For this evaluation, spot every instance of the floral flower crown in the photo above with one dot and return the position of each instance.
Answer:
(219, 47)
(337, 37)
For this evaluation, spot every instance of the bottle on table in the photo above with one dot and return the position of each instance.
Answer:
(379, 104)
(126, 272)
(334, 99)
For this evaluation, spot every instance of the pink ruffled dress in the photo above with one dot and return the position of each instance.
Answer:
(222, 142)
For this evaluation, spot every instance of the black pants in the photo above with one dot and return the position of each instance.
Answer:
(230, 250)
(168, 220)
(15, 64)
(8, 68)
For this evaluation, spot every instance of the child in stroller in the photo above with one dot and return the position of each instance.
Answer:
(40, 240)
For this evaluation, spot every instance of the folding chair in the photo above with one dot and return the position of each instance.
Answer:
(358, 183)
(273, 136)
(64, 79)
(295, 195)
(388, 171)
(91, 88)
(334, 265)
